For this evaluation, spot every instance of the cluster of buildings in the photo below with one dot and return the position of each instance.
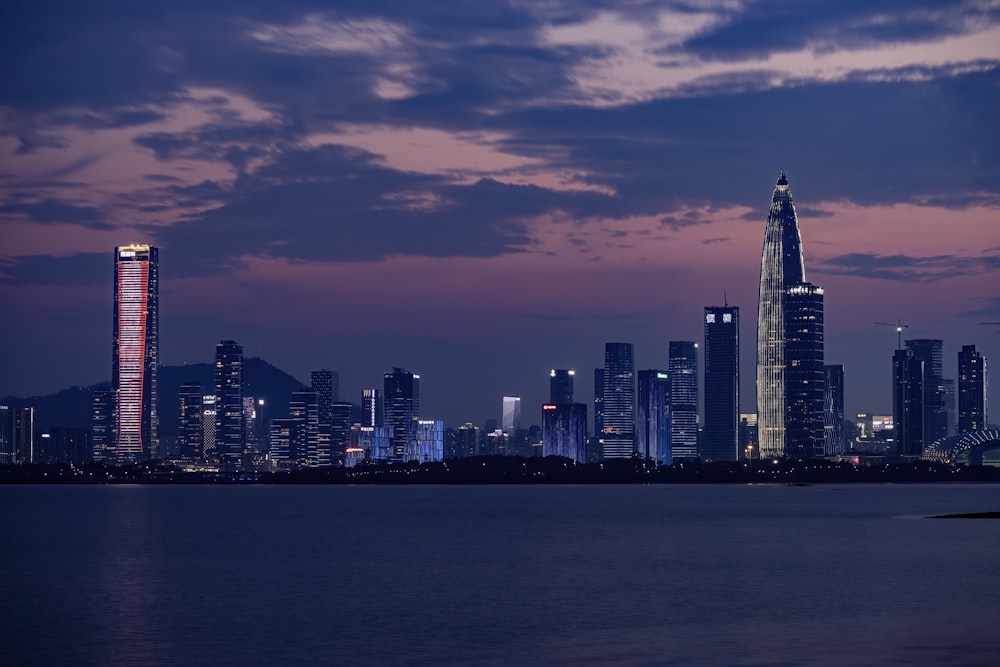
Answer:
(652, 413)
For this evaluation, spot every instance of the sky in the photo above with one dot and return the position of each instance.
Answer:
(482, 191)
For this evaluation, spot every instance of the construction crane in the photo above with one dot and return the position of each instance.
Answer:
(899, 331)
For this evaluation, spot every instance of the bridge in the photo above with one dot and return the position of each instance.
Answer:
(964, 448)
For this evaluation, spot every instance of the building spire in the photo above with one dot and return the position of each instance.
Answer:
(781, 178)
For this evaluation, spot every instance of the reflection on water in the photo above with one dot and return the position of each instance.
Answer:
(573, 575)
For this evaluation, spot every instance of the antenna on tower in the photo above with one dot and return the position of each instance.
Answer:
(725, 299)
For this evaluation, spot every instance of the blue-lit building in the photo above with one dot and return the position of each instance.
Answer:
(618, 406)
(564, 430)
(720, 437)
(683, 369)
(653, 416)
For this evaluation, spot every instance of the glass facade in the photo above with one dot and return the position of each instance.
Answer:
(683, 368)
(653, 420)
(971, 390)
(135, 352)
(564, 430)
(230, 427)
(720, 440)
(618, 435)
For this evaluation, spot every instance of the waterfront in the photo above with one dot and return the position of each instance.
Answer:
(455, 575)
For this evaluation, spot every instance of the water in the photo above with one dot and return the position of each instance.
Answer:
(488, 575)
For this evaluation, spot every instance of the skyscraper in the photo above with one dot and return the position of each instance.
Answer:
(683, 368)
(402, 409)
(189, 429)
(598, 402)
(326, 384)
(929, 351)
(908, 402)
(804, 371)
(230, 434)
(653, 420)
(103, 422)
(722, 384)
(17, 435)
(561, 386)
(834, 440)
(372, 408)
(971, 390)
(619, 401)
(303, 411)
(511, 418)
(564, 430)
(789, 312)
(135, 352)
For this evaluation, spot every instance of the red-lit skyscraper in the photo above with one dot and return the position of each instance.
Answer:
(135, 352)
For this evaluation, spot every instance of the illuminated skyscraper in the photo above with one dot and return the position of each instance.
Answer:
(787, 311)
(135, 352)
(618, 436)
(561, 386)
(653, 416)
(189, 428)
(402, 409)
(230, 434)
(722, 384)
(17, 435)
(372, 408)
(971, 390)
(834, 439)
(102, 429)
(564, 430)
(683, 367)
(511, 418)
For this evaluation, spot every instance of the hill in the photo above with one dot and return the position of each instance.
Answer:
(72, 407)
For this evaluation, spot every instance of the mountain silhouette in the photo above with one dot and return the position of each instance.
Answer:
(72, 407)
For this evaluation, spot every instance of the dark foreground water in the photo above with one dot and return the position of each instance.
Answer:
(485, 575)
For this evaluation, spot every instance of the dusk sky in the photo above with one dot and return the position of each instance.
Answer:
(482, 191)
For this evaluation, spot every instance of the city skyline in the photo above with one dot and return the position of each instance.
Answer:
(497, 194)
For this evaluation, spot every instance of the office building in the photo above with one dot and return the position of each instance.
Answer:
(598, 402)
(190, 433)
(930, 351)
(789, 340)
(303, 411)
(372, 408)
(720, 437)
(135, 353)
(561, 386)
(210, 452)
(653, 416)
(618, 436)
(971, 390)
(564, 430)
(908, 402)
(682, 365)
(230, 426)
(402, 408)
(326, 384)
(803, 371)
(340, 431)
(62, 445)
(511, 416)
(749, 444)
(429, 441)
(17, 435)
(102, 425)
(834, 438)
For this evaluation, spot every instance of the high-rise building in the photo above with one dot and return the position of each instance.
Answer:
(63, 445)
(303, 410)
(429, 442)
(971, 390)
(561, 386)
(564, 430)
(210, 452)
(720, 438)
(789, 313)
(326, 384)
(103, 421)
(804, 371)
(511, 417)
(908, 402)
(230, 431)
(929, 351)
(749, 444)
(17, 435)
(135, 352)
(598, 402)
(834, 440)
(653, 416)
(402, 408)
(340, 431)
(189, 429)
(618, 436)
(372, 408)
(682, 365)
(466, 442)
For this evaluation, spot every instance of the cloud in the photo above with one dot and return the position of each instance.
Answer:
(80, 269)
(907, 268)
(50, 211)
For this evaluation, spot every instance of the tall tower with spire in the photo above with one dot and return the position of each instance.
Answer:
(789, 340)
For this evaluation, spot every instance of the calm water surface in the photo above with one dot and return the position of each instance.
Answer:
(488, 575)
